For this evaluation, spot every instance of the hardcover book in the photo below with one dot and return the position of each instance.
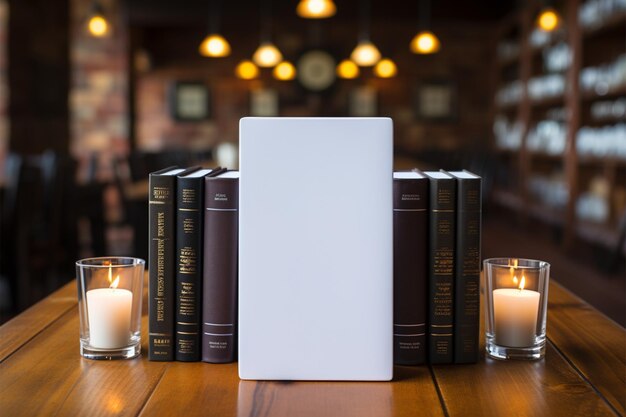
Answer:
(410, 267)
(467, 267)
(441, 267)
(219, 328)
(161, 235)
(316, 249)
(189, 237)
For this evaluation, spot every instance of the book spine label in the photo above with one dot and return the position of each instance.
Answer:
(441, 270)
(410, 234)
(189, 233)
(161, 219)
(467, 271)
(219, 327)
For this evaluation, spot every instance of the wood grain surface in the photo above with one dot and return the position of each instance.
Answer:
(42, 373)
(595, 345)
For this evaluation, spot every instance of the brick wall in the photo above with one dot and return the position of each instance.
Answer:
(99, 83)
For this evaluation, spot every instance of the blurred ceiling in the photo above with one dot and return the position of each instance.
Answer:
(195, 12)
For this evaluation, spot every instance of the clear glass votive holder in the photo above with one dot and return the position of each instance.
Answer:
(110, 291)
(516, 303)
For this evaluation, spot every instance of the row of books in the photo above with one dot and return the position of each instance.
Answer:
(193, 264)
(437, 230)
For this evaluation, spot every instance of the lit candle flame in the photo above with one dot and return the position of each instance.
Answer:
(522, 283)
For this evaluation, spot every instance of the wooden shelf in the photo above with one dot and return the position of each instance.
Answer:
(547, 214)
(601, 44)
(541, 212)
(507, 199)
(548, 101)
(614, 92)
(611, 23)
(545, 155)
(507, 108)
(508, 61)
(597, 160)
(606, 235)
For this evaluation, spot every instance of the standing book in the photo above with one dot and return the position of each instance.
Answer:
(467, 267)
(189, 239)
(410, 267)
(219, 317)
(441, 267)
(161, 263)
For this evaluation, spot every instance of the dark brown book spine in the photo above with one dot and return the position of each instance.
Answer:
(219, 328)
(189, 237)
(441, 270)
(161, 219)
(410, 270)
(467, 270)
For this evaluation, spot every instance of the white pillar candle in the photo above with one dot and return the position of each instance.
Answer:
(109, 317)
(515, 314)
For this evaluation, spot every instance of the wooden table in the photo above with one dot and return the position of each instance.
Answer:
(41, 373)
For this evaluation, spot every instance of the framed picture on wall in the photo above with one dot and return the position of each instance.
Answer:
(436, 101)
(363, 102)
(189, 101)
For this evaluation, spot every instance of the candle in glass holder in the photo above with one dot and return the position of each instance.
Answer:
(515, 315)
(109, 312)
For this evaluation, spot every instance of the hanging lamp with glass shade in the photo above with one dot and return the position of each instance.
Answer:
(97, 24)
(247, 70)
(214, 45)
(284, 71)
(366, 54)
(267, 54)
(347, 69)
(316, 9)
(385, 68)
(424, 42)
(548, 19)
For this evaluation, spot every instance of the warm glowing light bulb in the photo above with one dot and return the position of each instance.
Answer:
(98, 26)
(365, 54)
(425, 42)
(284, 71)
(267, 55)
(214, 46)
(385, 68)
(247, 70)
(347, 69)
(548, 20)
(316, 9)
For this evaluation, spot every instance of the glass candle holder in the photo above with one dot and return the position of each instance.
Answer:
(110, 292)
(516, 303)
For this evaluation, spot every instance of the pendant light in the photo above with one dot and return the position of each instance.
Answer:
(425, 41)
(347, 69)
(548, 19)
(385, 68)
(214, 45)
(316, 9)
(267, 54)
(284, 71)
(97, 24)
(366, 54)
(247, 70)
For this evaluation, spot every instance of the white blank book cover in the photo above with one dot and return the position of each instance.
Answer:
(315, 249)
